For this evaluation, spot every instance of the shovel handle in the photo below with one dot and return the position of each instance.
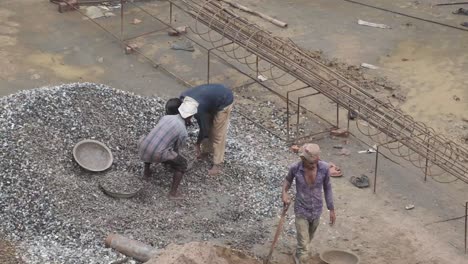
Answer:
(278, 231)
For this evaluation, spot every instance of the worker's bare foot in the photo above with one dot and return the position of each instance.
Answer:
(147, 171)
(203, 156)
(175, 196)
(215, 170)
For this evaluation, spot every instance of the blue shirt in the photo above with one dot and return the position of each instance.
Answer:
(211, 99)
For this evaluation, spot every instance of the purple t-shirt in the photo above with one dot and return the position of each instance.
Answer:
(309, 198)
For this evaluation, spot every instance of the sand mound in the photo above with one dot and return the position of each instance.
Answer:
(201, 253)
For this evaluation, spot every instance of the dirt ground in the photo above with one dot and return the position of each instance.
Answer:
(426, 62)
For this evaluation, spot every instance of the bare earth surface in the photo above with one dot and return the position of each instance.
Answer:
(425, 63)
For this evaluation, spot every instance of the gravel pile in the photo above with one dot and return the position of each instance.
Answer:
(57, 211)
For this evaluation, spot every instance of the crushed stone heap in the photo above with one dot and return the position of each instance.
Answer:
(55, 210)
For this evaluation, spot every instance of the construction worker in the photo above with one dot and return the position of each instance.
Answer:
(214, 104)
(311, 176)
(163, 143)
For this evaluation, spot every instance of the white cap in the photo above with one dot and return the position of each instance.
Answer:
(189, 107)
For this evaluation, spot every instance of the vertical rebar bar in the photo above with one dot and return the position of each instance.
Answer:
(170, 13)
(121, 19)
(298, 110)
(375, 169)
(256, 64)
(337, 115)
(287, 116)
(425, 170)
(466, 222)
(208, 68)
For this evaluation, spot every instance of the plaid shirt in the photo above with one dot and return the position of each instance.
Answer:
(309, 198)
(164, 141)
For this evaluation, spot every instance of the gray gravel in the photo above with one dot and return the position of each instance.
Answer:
(56, 210)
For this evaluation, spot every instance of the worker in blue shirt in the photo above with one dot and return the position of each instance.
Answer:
(214, 104)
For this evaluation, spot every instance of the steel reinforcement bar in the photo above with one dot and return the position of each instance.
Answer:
(388, 126)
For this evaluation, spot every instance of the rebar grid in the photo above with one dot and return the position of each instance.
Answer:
(388, 126)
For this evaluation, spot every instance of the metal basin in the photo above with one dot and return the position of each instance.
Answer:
(336, 256)
(92, 155)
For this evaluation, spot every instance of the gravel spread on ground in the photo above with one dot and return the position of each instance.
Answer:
(56, 211)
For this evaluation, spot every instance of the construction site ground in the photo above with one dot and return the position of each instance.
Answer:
(426, 62)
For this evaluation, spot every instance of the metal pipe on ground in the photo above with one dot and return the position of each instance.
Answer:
(131, 248)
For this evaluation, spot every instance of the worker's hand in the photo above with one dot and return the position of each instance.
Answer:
(286, 199)
(332, 217)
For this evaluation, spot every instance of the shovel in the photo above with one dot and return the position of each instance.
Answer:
(278, 231)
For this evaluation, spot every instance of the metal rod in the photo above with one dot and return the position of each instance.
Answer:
(298, 111)
(170, 12)
(337, 115)
(145, 34)
(457, 3)
(208, 68)
(376, 167)
(256, 65)
(121, 19)
(466, 223)
(425, 170)
(287, 117)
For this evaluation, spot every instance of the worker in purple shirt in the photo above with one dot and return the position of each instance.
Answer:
(311, 176)
(214, 105)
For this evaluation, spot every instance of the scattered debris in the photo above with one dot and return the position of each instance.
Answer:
(262, 78)
(399, 97)
(248, 10)
(369, 66)
(338, 146)
(136, 21)
(409, 206)
(94, 12)
(370, 150)
(360, 181)
(456, 98)
(461, 11)
(344, 152)
(130, 48)
(183, 45)
(370, 24)
(408, 24)
(340, 132)
(68, 5)
(294, 148)
(352, 115)
(35, 76)
(363, 123)
(177, 31)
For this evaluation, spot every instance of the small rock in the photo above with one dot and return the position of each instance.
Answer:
(100, 59)
(340, 132)
(456, 98)
(344, 152)
(294, 148)
(35, 76)
(136, 21)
